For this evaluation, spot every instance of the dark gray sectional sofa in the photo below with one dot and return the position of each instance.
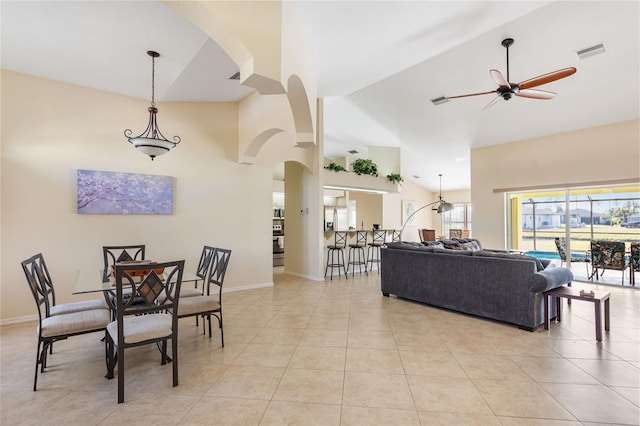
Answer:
(490, 284)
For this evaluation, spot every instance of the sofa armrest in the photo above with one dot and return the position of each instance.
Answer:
(551, 278)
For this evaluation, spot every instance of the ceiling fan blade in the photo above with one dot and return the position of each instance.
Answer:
(490, 104)
(499, 79)
(536, 94)
(546, 78)
(472, 94)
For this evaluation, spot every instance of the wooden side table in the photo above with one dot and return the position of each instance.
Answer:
(571, 293)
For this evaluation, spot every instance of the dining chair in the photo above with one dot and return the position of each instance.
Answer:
(203, 266)
(606, 254)
(395, 235)
(211, 302)
(114, 254)
(52, 307)
(427, 234)
(65, 323)
(378, 239)
(155, 321)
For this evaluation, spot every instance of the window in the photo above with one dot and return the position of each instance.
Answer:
(458, 218)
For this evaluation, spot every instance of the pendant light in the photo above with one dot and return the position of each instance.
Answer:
(443, 206)
(152, 142)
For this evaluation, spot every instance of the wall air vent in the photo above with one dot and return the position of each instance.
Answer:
(235, 76)
(416, 177)
(591, 51)
(439, 101)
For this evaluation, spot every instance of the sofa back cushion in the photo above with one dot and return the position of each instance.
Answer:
(515, 256)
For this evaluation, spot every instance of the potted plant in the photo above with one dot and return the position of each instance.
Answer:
(364, 167)
(395, 177)
(335, 167)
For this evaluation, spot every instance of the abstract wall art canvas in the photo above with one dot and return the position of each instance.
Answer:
(102, 192)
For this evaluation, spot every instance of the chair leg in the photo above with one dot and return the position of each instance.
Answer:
(209, 321)
(120, 375)
(174, 355)
(35, 377)
(221, 328)
(110, 357)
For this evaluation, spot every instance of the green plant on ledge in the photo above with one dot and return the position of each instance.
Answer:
(335, 167)
(395, 177)
(364, 167)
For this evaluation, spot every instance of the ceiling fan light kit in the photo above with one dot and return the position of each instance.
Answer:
(525, 89)
(152, 142)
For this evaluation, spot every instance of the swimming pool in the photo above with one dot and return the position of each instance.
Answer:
(552, 255)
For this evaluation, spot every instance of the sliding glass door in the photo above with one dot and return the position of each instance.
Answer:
(576, 215)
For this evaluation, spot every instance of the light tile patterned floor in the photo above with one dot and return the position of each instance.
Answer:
(339, 353)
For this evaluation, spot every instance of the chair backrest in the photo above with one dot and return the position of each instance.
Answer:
(218, 269)
(635, 257)
(607, 254)
(395, 236)
(141, 290)
(340, 239)
(379, 236)
(427, 234)
(114, 254)
(361, 238)
(561, 249)
(205, 261)
(455, 233)
(40, 284)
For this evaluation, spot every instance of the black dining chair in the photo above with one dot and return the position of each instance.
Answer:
(203, 266)
(211, 302)
(67, 322)
(124, 253)
(154, 321)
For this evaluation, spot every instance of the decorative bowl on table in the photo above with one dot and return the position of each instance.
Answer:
(138, 273)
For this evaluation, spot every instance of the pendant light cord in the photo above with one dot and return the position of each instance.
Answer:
(153, 81)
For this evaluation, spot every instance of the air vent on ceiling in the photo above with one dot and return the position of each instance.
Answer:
(416, 177)
(353, 151)
(439, 101)
(591, 51)
(235, 76)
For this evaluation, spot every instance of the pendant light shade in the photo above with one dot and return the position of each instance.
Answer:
(152, 142)
(443, 206)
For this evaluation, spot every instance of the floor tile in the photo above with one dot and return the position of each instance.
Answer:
(307, 385)
(377, 390)
(595, 403)
(520, 399)
(361, 416)
(446, 394)
(297, 413)
(225, 411)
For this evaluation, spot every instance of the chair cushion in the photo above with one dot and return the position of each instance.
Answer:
(196, 305)
(86, 305)
(143, 327)
(75, 322)
(190, 292)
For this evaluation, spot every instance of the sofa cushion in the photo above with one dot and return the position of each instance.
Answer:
(485, 253)
(471, 246)
(455, 252)
(409, 245)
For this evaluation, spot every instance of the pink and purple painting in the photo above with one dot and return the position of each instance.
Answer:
(124, 193)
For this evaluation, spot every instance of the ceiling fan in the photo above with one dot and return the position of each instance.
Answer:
(523, 89)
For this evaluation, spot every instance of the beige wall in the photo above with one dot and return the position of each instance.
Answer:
(392, 210)
(368, 209)
(582, 157)
(51, 129)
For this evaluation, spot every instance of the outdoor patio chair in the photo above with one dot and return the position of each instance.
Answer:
(634, 262)
(562, 252)
(607, 254)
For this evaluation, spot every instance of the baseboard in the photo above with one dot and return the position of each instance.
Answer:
(309, 277)
(246, 287)
(18, 320)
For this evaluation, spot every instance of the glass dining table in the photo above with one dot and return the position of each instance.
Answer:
(95, 280)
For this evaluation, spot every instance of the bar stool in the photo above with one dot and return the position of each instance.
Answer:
(357, 254)
(378, 239)
(395, 235)
(336, 250)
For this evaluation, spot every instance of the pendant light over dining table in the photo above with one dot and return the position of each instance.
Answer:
(152, 142)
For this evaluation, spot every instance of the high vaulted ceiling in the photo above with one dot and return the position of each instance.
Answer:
(379, 64)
